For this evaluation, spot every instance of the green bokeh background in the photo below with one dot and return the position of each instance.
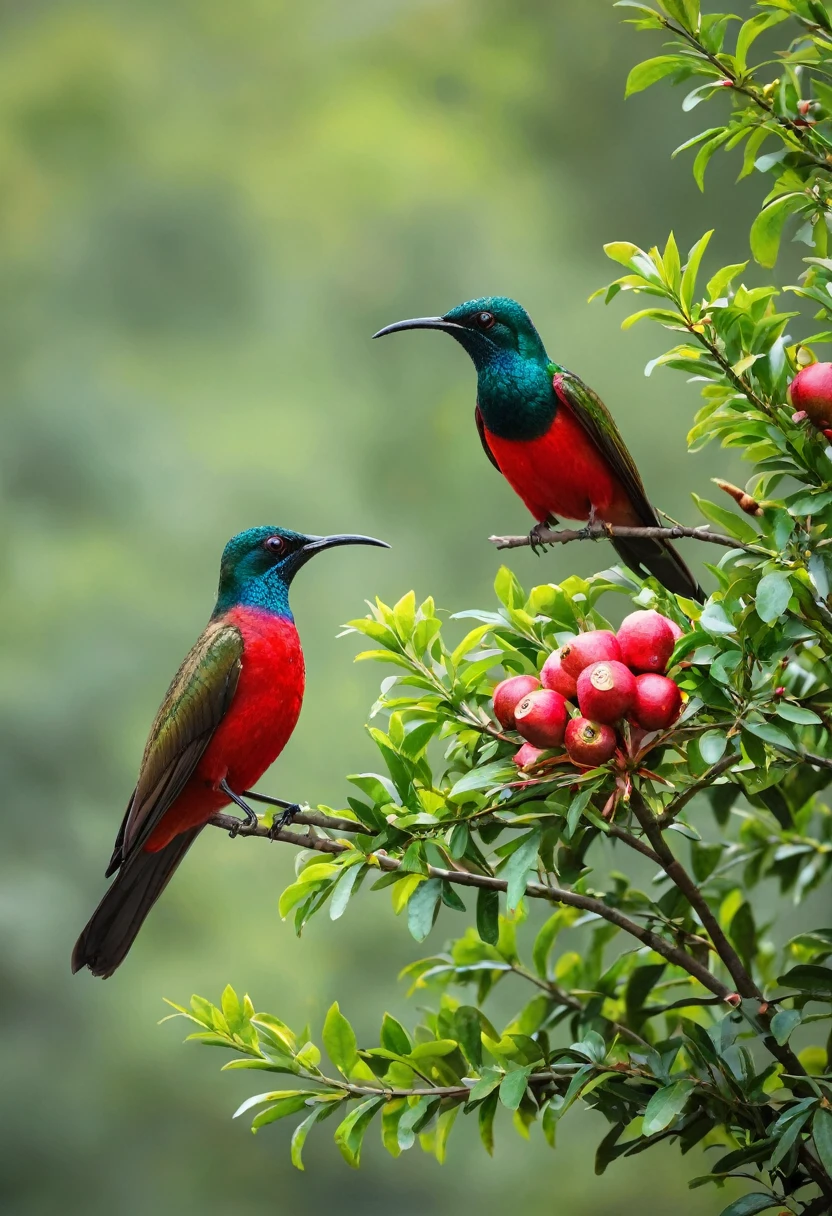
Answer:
(205, 210)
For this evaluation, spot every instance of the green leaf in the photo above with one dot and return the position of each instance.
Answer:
(822, 1135)
(733, 524)
(343, 891)
(810, 978)
(576, 808)
(712, 746)
(651, 70)
(394, 1036)
(468, 1029)
(423, 908)
(483, 777)
(290, 1105)
(513, 1086)
(390, 1116)
(796, 713)
(751, 30)
(716, 620)
(349, 1134)
(692, 269)
(773, 594)
(768, 227)
(339, 1041)
(748, 1205)
(488, 913)
(302, 1131)
(516, 870)
(770, 734)
(789, 1137)
(783, 1023)
(665, 1105)
(485, 1118)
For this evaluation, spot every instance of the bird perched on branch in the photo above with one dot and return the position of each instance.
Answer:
(551, 436)
(227, 716)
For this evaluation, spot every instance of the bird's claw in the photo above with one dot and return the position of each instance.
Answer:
(536, 541)
(283, 820)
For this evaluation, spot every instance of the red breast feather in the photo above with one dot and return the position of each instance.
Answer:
(562, 473)
(256, 728)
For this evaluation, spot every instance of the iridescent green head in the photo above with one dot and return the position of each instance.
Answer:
(514, 383)
(258, 566)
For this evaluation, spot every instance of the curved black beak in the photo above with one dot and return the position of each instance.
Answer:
(419, 323)
(316, 544)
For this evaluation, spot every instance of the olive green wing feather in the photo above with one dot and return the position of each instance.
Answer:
(646, 555)
(478, 418)
(194, 705)
(599, 424)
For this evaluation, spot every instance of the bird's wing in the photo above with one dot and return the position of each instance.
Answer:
(481, 431)
(194, 706)
(598, 423)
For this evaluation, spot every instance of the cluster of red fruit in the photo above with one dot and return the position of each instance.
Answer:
(611, 676)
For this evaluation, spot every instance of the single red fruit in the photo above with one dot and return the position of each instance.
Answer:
(811, 391)
(552, 675)
(541, 717)
(658, 701)
(528, 755)
(646, 639)
(606, 691)
(508, 694)
(588, 648)
(590, 743)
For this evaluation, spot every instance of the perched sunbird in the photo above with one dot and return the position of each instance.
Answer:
(551, 436)
(226, 717)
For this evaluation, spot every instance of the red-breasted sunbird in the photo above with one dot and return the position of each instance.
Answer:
(229, 712)
(551, 436)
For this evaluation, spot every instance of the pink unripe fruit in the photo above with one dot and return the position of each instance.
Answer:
(606, 691)
(676, 630)
(508, 695)
(528, 755)
(811, 391)
(590, 743)
(588, 648)
(658, 701)
(541, 718)
(646, 639)
(552, 675)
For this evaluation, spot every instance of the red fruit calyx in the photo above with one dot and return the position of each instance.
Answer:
(811, 392)
(606, 691)
(553, 675)
(646, 639)
(658, 701)
(507, 696)
(528, 755)
(589, 743)
(588, 648)
(541, 717)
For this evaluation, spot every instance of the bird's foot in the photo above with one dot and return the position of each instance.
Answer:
(538, 544)
(247, 825)
(284, 819)
(593, 524)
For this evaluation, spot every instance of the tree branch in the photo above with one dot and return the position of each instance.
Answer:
(602, 531)
(534, 890)
(681, 800)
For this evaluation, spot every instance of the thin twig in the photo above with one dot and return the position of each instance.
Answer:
(681, 800)
(534, 890)
(602, 531)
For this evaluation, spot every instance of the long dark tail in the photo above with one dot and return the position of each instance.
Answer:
(113, 926)
(659, 558)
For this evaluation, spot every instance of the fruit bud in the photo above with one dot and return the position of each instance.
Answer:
(733, 999)
(780, 691)
(589, 743)
(528, 755)
(588, 648)
(552, 675)
(743, 500)
(508, 694)
(646, 640)
(541, 717)
(606, 691)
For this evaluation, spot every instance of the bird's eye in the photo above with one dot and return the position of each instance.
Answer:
(485, 320)
(275, 545)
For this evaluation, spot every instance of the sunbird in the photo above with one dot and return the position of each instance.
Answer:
(551, 436)
(229, 712)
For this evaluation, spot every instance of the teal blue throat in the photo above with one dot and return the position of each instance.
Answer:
(268, 592)
(515, 395)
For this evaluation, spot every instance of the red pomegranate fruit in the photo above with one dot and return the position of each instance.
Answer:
(658, 701)
(589, 743)
(646, 640)
(588, 648)
(606, 691)
(553, 675)
(508, 694)
(541, 717)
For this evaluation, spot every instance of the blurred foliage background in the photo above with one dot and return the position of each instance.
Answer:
(205, 211)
